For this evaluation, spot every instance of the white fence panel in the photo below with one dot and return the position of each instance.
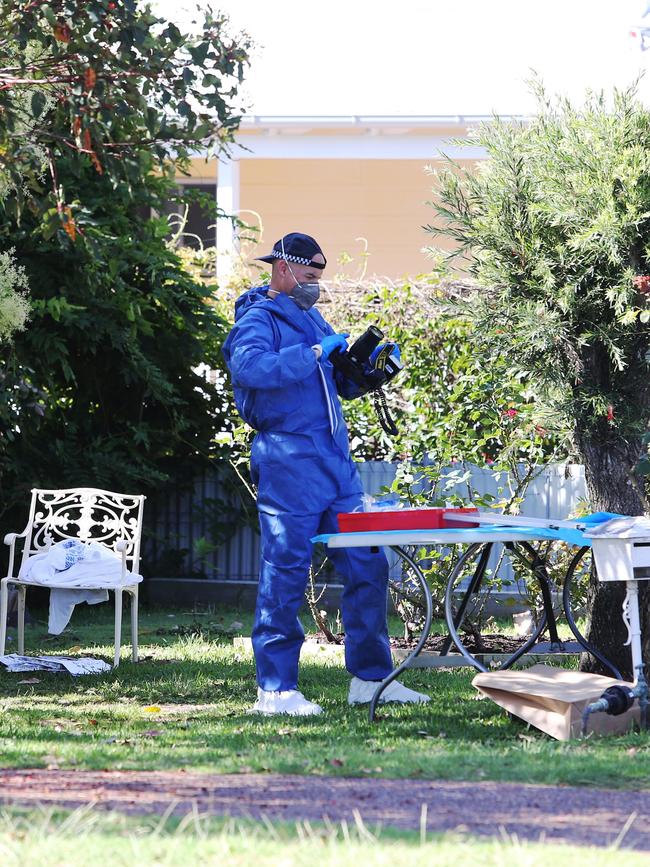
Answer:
(184, 518)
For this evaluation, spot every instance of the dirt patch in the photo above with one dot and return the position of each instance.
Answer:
(493, 642)
(579, 816)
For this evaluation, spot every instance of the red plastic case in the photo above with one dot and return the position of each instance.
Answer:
(403, 519)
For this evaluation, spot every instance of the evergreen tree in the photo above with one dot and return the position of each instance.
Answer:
(556, 228)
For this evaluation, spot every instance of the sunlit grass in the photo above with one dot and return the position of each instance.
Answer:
(48, 838)
(185, 705)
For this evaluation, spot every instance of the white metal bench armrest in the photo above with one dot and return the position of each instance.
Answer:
(10, 539)
(121, 547)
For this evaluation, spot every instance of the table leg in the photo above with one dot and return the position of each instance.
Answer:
(473, 587)
(633, 623)
(573, 626)
(423, 637)
(454, 622)
(452, 625)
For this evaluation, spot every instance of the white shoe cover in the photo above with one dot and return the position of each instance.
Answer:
(290, 701)
(362, 691)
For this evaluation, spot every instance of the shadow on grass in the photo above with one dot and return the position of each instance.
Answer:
(185, 706)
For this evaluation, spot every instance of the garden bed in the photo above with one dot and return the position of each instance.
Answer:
(493, 647)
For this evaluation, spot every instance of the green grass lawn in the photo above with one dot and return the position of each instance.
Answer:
(86, 837)
(185, 706)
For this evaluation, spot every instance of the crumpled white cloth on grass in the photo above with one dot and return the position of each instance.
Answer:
(72, 664)
(73, 569)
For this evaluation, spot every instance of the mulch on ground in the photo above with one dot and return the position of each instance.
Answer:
(561, 814)
(493, 642)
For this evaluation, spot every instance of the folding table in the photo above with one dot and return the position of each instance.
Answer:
(507, 530)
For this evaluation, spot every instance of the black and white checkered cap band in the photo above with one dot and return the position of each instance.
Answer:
(299, 260)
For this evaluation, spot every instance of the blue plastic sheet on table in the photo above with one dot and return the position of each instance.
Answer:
(490, 533)
(493, 533)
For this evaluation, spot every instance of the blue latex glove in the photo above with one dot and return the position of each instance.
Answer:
(394, 351)
(332, 342)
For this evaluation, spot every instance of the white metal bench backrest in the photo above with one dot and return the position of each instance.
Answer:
(86, 514)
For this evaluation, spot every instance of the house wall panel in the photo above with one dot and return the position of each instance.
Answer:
(339, 201)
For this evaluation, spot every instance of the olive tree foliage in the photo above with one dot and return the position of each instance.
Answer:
(14, 306)
(555, 226)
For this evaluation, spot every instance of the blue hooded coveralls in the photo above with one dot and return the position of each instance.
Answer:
(301, 465)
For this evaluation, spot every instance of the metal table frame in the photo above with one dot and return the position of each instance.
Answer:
(475, 538)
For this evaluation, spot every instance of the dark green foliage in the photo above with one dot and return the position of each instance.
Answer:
(101, 388)
(117, 327)
(108, 81)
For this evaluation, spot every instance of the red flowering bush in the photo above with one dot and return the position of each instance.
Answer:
(642, 283)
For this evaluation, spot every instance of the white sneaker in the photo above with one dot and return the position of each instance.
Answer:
(362, 691)
(289, 701)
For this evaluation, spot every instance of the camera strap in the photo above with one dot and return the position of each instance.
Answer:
(383, 413)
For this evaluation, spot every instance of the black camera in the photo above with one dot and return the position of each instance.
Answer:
(355, 363)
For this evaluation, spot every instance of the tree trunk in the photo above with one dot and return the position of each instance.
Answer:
(611, 489)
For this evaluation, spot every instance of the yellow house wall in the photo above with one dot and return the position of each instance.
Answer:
(341, 201)
(348, 205)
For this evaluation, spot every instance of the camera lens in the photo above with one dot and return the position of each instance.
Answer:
(362, 348)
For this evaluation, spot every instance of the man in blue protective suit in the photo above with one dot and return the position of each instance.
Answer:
(287, 389)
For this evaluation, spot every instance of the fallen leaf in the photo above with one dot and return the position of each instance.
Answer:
(92, 722)
(30, 680)
(75, 649)
(152, 708)
(337, 763)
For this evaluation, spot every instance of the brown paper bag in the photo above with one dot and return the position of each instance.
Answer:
(552, 699)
